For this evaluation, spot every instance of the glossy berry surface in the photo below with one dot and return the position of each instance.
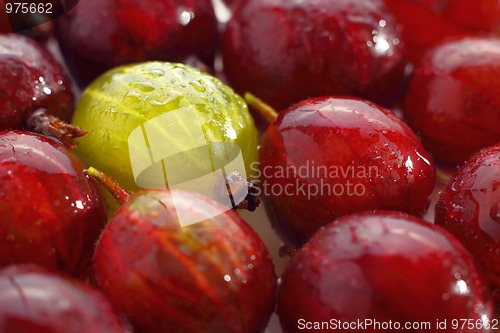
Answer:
(327, 157)
(177, 108)
(469, 207)
(36, 300)
(100, 34)
(284, 51)
(51, 212)
(212, 276)
(30, 78)
(452, 100)
(383, 267)
(427, 23)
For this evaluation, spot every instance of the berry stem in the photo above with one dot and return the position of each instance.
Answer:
(44, 123)
(118, 193)
(443, 175)
(265, 110)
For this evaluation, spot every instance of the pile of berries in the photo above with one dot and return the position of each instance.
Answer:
(134, 132)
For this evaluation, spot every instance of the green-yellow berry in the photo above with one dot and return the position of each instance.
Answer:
(154, 123)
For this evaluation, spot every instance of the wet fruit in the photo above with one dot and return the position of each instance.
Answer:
(366, 268)
(452, 99)
(331, 156)
(168, 273)
(51, 212)
(100, 34)
(427, 23)
(156, 124)
(284, 51)
(36, 300)
(35, 92)
(469, 207)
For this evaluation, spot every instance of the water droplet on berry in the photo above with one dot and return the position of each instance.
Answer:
(157, 72)
(143, 86)
(198, 86)
(157, 103)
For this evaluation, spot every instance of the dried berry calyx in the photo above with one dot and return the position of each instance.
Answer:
(237, 186)
(35, 92)
(44, 123)
(230, 183)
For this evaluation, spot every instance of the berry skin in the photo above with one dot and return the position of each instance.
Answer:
(349, 155)
(452, 99)
(469, 207)
(98, 35)
(213, 276)
(384, 266)
(51, 212)
(30, 79)
(284, 51)
(428, 23)
(204, 111)
(36, 300)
